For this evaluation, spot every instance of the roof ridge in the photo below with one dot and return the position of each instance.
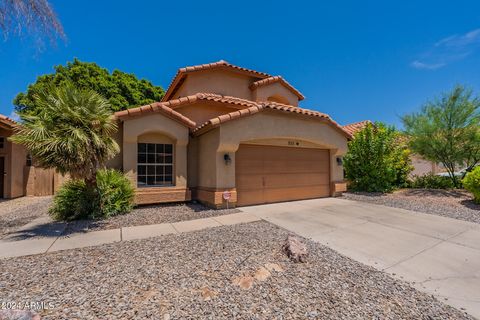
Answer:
(221, 63)
(273, 79)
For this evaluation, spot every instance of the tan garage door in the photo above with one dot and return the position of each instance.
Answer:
(267, 174)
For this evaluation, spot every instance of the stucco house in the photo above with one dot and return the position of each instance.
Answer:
(224, 133)
(12, 162)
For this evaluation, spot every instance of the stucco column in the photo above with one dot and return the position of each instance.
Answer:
(130, 159)
(181, 163)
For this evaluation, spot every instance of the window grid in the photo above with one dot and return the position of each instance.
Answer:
(155, 164)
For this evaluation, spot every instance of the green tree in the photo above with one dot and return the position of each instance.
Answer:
(71, 132)
(121, 89)
(377, 159)
(447, 131)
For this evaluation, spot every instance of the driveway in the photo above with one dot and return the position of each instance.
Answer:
(437, 255)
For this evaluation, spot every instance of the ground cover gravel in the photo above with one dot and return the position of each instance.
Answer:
(228, 272)
(457, 204)
(18, 212)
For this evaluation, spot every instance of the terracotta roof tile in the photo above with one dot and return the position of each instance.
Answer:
(7, 121)
(152, 108)
(260, 106)
(353, 128)
(270, 80)
(219, 64)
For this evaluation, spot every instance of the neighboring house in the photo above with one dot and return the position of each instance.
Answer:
(224, 132)
(420, 165)
(12, 162)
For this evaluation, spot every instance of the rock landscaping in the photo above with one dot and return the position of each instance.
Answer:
(457, 204)
(228, 272)
(18, 212)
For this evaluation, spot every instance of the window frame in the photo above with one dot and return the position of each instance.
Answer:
(155, 158)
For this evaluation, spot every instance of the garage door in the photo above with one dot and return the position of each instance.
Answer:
(266, 174)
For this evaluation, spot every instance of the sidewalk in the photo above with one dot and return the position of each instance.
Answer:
(54, 243)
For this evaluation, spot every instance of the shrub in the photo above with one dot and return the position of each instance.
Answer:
(431, 181)
(377, 160)
(471, 182)
(113, 195)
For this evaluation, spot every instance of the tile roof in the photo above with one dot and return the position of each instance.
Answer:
(252, 107)
(259, 107)
(274, 79)
(7, 121)
(353, 128)
(155, 107)
(219, 64)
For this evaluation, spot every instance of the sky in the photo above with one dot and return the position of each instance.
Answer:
(354, 60)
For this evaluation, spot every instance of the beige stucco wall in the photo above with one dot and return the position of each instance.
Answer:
(15, 160)
(263, 93)
(264, 128)
(202, 112)
(117, 161)
(155, 128)
(221, 82)
(422, 166)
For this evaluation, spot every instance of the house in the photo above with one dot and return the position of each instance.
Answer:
(420, 165)
(227, 135)
(12, 162)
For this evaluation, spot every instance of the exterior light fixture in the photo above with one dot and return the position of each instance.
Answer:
(339, 161)
(227, 159)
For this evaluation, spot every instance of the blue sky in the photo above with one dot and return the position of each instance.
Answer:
(354, 60)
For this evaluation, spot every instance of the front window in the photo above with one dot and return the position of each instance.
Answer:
(2, 142)
(155, 164)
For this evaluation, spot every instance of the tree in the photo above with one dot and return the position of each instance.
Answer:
(447, 131)
(121, 89)
(377, 159)
(71, 132)
(35, 17)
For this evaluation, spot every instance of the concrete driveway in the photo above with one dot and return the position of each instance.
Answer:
(439, 255)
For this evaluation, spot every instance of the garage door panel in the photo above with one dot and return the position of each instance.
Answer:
(296, 180)
(295, 193)
(272, 174)
(250, 181)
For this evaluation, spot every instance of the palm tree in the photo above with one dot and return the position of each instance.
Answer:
(72, 132)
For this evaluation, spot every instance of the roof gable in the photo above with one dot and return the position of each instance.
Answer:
(222, 64)
(276, 79)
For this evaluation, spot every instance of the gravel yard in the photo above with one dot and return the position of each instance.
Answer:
(229, 272)
(457, 204)
(20, 211)
(153, 214)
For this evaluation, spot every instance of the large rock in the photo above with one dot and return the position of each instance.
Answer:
(295, 250)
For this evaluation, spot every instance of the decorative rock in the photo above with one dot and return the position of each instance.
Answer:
(18, 315)
(262, 274)
(295, 250)
(245, 282)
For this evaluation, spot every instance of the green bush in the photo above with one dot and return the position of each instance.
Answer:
(471, 182)
(431, 181)
(377, 160)
(113, 195)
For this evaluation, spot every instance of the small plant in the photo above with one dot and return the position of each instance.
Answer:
(113, 195)
(431, 181)
(471, 182)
